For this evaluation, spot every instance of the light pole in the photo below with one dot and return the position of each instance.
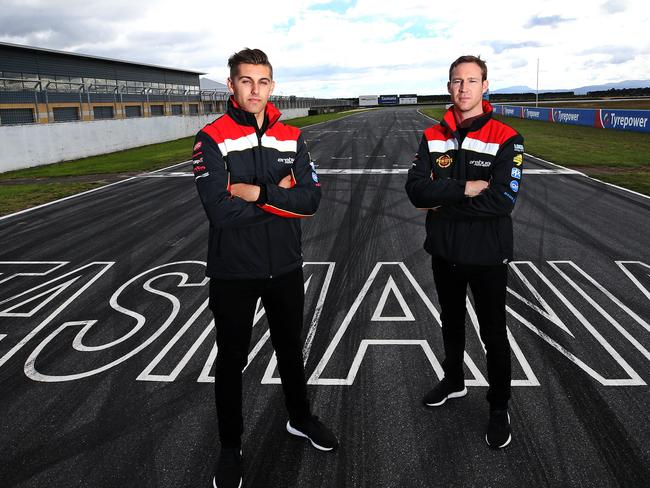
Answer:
(537, 86)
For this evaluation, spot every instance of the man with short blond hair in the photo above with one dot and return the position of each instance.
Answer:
(256, 182)
(467, 174)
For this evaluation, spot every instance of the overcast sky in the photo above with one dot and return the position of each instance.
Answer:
(347, 48)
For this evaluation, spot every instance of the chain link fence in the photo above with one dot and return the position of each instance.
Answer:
(31, 102)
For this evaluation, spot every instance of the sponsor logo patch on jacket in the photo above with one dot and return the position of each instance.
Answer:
(516, 173)
(519, 148)
(481, 164)
(514, 186)
(444, 161)
(285, 160)
(518, 159)
(197, 146)
(199, 169)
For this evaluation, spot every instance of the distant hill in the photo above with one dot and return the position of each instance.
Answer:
(524, 89)
(620, 85)
(514, 89)
(208, 84)
(580, 90)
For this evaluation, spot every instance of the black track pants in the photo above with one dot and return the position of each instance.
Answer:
(488, 285)
(233, 304)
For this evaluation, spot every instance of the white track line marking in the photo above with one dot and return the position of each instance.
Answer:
(370, 171)
(87, 191)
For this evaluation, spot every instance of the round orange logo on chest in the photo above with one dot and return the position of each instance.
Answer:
(444, 161)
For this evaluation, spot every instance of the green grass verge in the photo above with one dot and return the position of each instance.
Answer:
(614, 156)
(638, 181)
(18, 197)
(436, 112)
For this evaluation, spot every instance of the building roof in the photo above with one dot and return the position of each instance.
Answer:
(208, 84)
(89, 56)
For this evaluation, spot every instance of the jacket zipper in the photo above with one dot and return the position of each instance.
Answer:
(266, 228)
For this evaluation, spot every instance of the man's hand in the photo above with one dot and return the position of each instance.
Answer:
(247, 192)
(285, 182)
(475, 187)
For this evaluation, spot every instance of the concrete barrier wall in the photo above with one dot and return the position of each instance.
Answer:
(24, 146)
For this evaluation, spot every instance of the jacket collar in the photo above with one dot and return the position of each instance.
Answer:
(271, 115)
(449, 119)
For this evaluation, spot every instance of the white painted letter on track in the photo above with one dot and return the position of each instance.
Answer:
(391, 326)
(577, 343)
(100, 342)
(30, 302)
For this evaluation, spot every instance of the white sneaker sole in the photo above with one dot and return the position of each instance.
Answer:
(296, 432)
(505, 443)
(241, 480)
(455, 394)
(214, 482)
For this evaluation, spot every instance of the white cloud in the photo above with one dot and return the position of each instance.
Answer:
(614, 6)
(364, 46)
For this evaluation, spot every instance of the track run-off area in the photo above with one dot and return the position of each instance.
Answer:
(107, 343)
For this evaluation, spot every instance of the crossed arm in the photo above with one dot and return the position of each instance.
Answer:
(251, 193)
(463, 199)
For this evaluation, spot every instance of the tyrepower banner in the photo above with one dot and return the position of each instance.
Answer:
(536, 113)
(512, 111)
(629, 120)
(574, 116)
(636, 120)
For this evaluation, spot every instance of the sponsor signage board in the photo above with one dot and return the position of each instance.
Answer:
(536, 113)
(634, 120)
(574, 116)
(511, 111)
(629, 120)
(408, 99)
(368, 100)
(388, 100)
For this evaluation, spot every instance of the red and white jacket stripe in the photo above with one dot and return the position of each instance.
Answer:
(460, 229)
(233, 149)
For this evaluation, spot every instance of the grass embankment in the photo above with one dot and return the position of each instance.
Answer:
(618, 157)
(20, 196)
(34, 186)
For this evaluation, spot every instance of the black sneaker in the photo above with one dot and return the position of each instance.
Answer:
(441, 392)
(313, 429)
(227, 473)
(499, 433)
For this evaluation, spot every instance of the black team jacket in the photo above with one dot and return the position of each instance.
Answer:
(463, 230)
(261, 239)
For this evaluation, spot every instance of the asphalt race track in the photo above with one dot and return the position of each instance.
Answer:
(107, 345)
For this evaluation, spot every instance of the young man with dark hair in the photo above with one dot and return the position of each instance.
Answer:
(467, 174)
(256, 181)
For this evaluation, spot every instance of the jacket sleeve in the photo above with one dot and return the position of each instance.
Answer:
(505, 183)
(425, 189)
(303, 198)
(213, 183)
